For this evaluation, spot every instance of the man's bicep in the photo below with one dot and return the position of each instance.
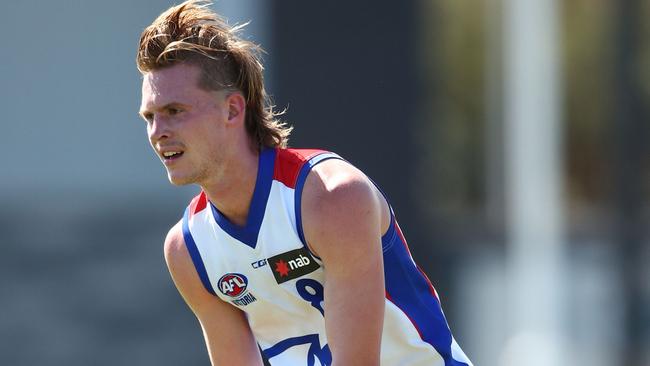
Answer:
(225, 327)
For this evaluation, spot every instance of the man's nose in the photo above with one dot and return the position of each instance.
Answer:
(158, 129)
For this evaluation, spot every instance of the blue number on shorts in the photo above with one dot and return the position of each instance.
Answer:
(311, 291)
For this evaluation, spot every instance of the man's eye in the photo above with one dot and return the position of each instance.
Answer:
(148, 117)
(173, 111)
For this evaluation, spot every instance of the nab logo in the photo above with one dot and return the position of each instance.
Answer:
(301, 261)
(292, 264)
(233, 284)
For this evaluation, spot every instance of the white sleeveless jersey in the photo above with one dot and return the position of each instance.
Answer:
(266, 270)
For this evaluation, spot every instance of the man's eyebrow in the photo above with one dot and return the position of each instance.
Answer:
(142, 112)
(168, 105)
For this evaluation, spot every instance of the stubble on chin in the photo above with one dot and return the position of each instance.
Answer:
(195, 177)
(177, 182)
(180, 180)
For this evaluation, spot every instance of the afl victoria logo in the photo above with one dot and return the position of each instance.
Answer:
(233, 284)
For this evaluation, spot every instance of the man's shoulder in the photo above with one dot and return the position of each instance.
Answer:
(325, 175)
(339, 201)
(337, 180)
(174, 247)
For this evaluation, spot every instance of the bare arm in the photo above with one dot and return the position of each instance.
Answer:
(343, 218)
(225, 328)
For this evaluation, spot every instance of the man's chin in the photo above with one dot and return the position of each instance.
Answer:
(179, 181)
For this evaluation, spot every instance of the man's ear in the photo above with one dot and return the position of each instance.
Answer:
(236, 107)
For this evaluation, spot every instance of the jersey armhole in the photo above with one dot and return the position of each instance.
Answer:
(300, 183)
(195, 254)
(387, 238)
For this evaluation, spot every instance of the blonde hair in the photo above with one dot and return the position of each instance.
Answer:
(191, 32)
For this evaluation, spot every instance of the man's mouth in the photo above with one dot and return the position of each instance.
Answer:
(171, 155)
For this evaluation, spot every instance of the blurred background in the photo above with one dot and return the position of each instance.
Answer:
(513, 138)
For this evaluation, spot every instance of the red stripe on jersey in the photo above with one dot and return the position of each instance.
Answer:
(198, 203)
(401, 236)
(389, 298)
(288, 163)
(403, 240)
(431, 288)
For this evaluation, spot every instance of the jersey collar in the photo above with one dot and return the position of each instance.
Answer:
(248, 233)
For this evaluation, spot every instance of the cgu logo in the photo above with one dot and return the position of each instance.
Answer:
(301, 261)
(233, 284)
(259, 264)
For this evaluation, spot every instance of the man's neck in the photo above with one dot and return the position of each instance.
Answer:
(232, 195)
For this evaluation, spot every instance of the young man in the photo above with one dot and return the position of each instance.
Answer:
(292, 251)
